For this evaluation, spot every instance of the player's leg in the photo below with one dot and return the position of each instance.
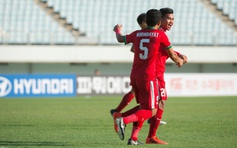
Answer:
(154, 124)
(155, 121)
(140, 116)
(127, 98)
(146, 92)
(127, 113)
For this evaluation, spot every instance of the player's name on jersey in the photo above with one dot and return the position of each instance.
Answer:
(145, 34)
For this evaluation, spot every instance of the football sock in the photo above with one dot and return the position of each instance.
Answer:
(143, 114)
(135, 132)
(127, 98)
(130, 118)
(140, 116)
(131, 111)
(154, 123)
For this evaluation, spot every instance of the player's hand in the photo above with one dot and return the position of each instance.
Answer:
(184, 58)
(180, 63)
(117, 28)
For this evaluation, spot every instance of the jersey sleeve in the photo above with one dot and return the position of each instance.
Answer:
(129, 38)
(165, 41)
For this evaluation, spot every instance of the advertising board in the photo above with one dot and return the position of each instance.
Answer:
(37, 85)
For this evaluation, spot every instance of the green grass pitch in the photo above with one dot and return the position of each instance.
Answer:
(209, 122)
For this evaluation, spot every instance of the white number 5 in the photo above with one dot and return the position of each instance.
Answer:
(145, 49)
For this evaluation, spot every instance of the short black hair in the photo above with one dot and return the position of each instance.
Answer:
(141, 18)
(153, 16)
(166, 10)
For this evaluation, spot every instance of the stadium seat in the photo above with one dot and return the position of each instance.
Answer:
(28, 23)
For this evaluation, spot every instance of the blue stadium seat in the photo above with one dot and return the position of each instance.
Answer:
(229, 7)
(26, 21)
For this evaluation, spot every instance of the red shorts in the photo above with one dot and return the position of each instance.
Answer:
(162, 89)
(146, 92)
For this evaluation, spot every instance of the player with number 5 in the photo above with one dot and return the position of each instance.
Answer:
(146, 44)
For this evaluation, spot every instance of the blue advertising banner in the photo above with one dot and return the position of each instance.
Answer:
(37, 85)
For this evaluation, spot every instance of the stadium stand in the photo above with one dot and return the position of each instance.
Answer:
(229, 8)
(28, 22)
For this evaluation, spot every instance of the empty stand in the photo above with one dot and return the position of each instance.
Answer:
(229, 7)
(24, 22)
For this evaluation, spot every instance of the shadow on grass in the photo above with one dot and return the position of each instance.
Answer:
(31, 143)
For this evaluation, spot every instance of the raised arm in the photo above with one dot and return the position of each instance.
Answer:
(117, 29)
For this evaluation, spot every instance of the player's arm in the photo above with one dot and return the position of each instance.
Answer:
(174, 57)
(169, 50)
(132, 49)
(117, 29)
(182, 56)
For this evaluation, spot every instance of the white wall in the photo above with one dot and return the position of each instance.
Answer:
(107, 54)
(197, 84)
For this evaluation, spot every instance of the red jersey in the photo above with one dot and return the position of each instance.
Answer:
(161, 60)
(146, 44)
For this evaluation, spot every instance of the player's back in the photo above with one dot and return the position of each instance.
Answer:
(146, 43)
